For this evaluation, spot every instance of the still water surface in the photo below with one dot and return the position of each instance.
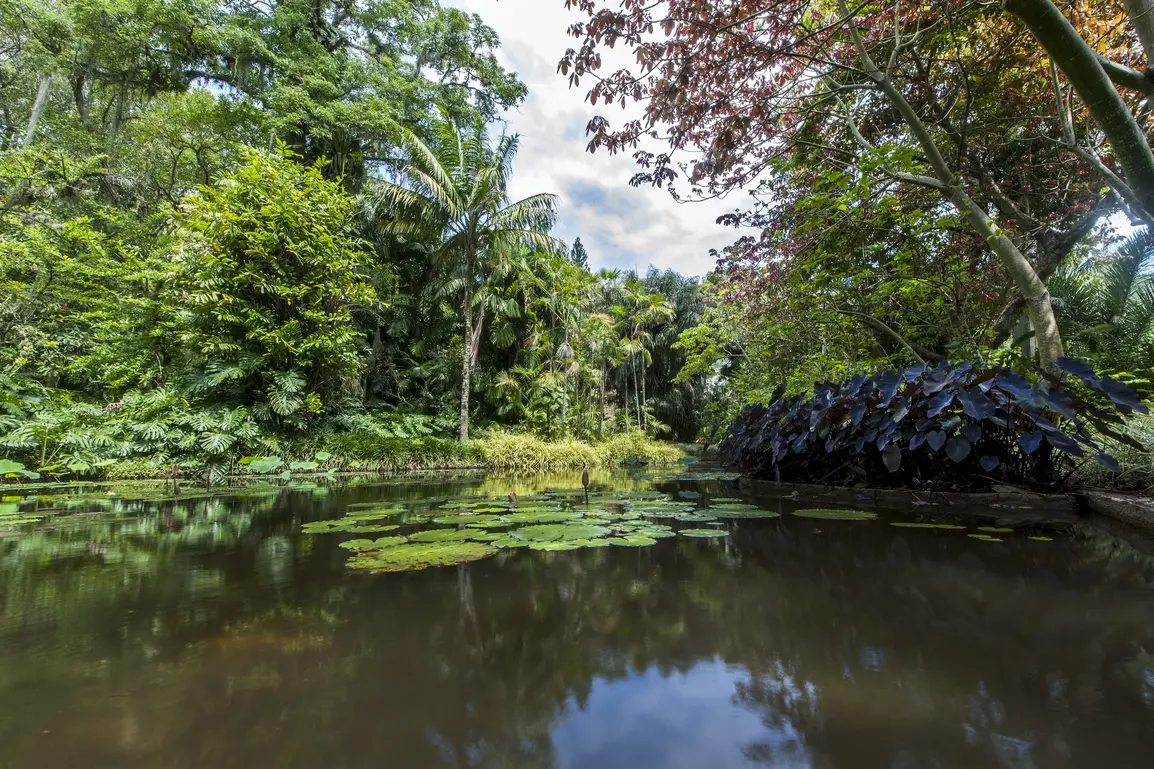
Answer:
(209, 632)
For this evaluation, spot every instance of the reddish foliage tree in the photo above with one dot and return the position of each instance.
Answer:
(940, 106)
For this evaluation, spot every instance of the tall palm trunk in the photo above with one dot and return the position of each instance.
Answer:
(625, 391)
(467, 346)
(601, 406)
(564, 404)
(644, 399)
(636, 395)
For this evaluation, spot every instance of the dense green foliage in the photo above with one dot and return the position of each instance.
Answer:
(229, 230)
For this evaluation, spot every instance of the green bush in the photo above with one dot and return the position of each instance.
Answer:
(265, 286)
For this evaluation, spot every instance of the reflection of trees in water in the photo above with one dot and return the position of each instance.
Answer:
(241, 643)
(934, 650)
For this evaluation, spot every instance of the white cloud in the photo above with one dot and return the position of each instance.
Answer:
(621, 226)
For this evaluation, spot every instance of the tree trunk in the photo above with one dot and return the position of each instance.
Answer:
(564, 404)
(601, 407)
(467, 348)
(644, 399)
(626, 399)
(1080, 64)
(475, 342)
(636, 394)
(37, 109)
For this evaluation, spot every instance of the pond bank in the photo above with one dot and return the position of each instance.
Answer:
(1135, 512)
(366, 453)
(1005, 507)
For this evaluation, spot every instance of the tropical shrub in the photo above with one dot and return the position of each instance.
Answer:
(1105, 309)
(266, 285)
(960, 426)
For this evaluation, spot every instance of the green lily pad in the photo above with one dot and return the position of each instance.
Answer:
(995, 529)
(984, 537)
(344, 525)
(689, 495)
(703, 533)
(471, 520)
(653, 533)
(442, 535)
(836, 515)
(558, 545)
(911, 525)
(750, 513)
(1042, 539)
(414, 556)
(633, 540)
(506, 542)
(726, 500)
(388, 542)
(357, 544)
(547, 532)
(551, 516)
(378, 512)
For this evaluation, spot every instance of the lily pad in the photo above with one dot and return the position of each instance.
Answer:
(552, 516)
(506, 541)
(753, 512)
(1042, 539)
(442, 535)
(558, 545)
(995, 529)
(471, 520)
(911, 525)
(836, 515)
(357, 544)
(345, 525)
(703, 533)
(984, 537)
(725, 500)
(556, 531)
(633, 540)
(414, 556)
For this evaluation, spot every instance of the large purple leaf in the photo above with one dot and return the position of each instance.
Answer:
(957, 449)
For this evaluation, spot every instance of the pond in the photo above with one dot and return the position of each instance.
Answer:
(209, 630)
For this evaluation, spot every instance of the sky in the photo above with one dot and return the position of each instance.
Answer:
(621, 227)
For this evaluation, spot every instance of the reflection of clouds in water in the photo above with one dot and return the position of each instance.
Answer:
(986, 715)
(680, 721)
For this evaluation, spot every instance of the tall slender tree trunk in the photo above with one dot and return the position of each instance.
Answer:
(467, 348)
(636, 394)
(644, 398)
(564, 404)
(625, 399)
(601, 407)
(37, 109)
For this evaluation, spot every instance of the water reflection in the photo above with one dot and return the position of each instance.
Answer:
(209, 632)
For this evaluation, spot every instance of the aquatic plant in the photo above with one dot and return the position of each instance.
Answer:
(551, 522)
(955, 425)
(836, 515)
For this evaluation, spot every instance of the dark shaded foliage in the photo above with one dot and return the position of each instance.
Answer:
(950, 426)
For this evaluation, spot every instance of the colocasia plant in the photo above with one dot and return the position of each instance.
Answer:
(950, 426)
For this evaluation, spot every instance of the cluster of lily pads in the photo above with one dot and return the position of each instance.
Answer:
(984, 533)
(462, 530)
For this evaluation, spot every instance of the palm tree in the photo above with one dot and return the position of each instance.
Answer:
(1105, 307)
(453, 195)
